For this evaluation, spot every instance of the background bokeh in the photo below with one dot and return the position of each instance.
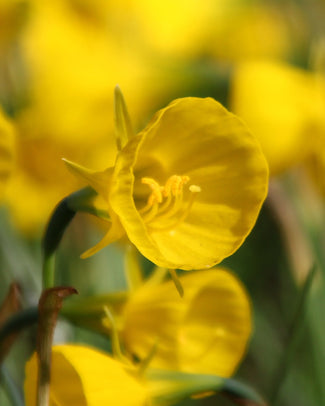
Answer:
(264, 60)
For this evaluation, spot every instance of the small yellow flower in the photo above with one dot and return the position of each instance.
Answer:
(82, 376)
(187, 189)
(206, 331)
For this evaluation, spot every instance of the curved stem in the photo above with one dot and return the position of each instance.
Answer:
(48, 271)
(18, 321)
(59, 221)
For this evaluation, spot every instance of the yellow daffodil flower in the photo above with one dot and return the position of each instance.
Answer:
(82, 376)
(206, 331)
(187, 189)
(284, 108)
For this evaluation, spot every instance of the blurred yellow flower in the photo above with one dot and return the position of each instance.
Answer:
(206, 331)
(249, 30)
(187, 189)
(67, 56)
(283, 106)
(227, 29)
(82, 376)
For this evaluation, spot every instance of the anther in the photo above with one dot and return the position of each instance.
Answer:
(166, 203)
(195, 189)
(156, 192)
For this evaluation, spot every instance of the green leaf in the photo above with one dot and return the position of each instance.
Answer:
(168, 387)
(241, 393)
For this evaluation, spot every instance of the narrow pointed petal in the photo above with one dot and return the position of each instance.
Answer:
(115, 233)
(123, 126)
(99, 181)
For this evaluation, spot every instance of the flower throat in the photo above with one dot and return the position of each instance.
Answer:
(166, 206)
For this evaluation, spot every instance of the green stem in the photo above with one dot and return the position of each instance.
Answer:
(293, 338)
(59, 221)
(83, 201)
(48, 271)
(79, 201)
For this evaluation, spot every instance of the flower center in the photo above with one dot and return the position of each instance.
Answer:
(166, 206)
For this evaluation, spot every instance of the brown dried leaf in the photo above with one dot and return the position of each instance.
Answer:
(50, 304)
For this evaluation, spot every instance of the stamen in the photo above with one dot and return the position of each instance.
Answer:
(194, 189)
(144, 364)
(174, 185)
(178, 200)
(173, 188)
(167, 202)
(116, 346)
(155, 195)
(151, 213)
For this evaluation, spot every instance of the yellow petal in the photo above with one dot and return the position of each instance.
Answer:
(205, 332)
(199, 140)
(82, 376)
(115, 233)
(99, 181)
(217, 327)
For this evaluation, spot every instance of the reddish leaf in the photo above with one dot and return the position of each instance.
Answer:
(49, 306)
